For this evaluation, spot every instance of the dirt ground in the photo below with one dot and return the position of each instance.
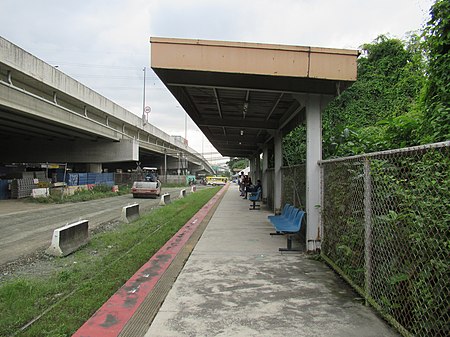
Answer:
(39, 263)
(27, 228)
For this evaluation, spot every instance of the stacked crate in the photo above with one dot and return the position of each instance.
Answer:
(21, 188)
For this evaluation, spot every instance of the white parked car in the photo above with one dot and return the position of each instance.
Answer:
(142, 189)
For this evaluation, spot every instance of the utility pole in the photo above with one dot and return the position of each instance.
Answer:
(185, 127)
(143, 101)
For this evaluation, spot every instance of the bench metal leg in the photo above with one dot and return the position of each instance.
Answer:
(289, 245)
(254, 206)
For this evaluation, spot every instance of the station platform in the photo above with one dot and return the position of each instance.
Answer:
(235, 282)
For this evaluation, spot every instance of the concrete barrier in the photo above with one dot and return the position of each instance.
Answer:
(130, 213)
(183, 193)
(69, 238)
(40, 192)
(165, 199)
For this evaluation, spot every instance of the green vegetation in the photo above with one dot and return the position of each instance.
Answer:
(97, 192)
(413, 280)
(409, 245)
(237, 164)
(437, 91)
(80, 283)
(401, 97)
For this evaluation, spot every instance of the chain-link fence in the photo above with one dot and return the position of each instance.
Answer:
(294, 186)
(269, 178)
(385, 219)
(126, 178)
(293, 192)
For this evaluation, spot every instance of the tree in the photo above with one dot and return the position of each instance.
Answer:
(401, 97)
(294, 146)
(237, 164)
(436, 125)
(380, 110)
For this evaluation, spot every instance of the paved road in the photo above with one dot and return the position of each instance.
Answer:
(27, 227)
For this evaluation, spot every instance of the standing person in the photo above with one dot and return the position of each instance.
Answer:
(240, 176)
(247, 184)
(242, 181)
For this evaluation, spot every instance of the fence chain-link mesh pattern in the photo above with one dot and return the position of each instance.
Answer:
(385, 220)
(294, 186)
(268, 193)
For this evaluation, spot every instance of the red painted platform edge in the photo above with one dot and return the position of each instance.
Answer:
(112, 316)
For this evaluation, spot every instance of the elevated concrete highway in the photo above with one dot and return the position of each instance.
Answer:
(47, 116)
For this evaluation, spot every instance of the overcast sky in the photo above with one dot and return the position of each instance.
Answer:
(104, 44)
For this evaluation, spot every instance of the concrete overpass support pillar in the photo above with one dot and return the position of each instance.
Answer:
(313, 155)
(278, 153)
(94, 168)
(265, 166)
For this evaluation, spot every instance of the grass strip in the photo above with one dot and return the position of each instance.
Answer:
(83, 281)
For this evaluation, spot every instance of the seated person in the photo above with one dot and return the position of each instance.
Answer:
(253, 188)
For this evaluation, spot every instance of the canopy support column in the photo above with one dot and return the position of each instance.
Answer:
(278, 149)
(314, 106)
(265, 177)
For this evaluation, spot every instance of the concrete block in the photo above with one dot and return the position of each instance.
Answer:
(165, 199)
(130, 213)
(40, 192)
(69, 238)
(183, 193)
(193, 188)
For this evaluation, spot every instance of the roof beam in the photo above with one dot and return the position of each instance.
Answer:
(236, 124)
(290, 113)
(186, 101)
(219, 109)
(274, 106)
(238, 138)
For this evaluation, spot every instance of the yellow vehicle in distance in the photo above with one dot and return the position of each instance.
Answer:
(214, 181)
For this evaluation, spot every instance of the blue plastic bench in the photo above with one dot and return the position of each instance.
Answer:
(254, 197)
(289, 227)
(283, 213)
(288, 218)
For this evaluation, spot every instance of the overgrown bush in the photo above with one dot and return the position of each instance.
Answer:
(406, 254)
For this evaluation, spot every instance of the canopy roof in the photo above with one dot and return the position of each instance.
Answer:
(238, 93)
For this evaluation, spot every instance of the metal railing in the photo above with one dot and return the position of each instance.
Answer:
(386, 230)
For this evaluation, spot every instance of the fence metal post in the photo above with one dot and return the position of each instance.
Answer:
(321, 233)
(367, 228)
